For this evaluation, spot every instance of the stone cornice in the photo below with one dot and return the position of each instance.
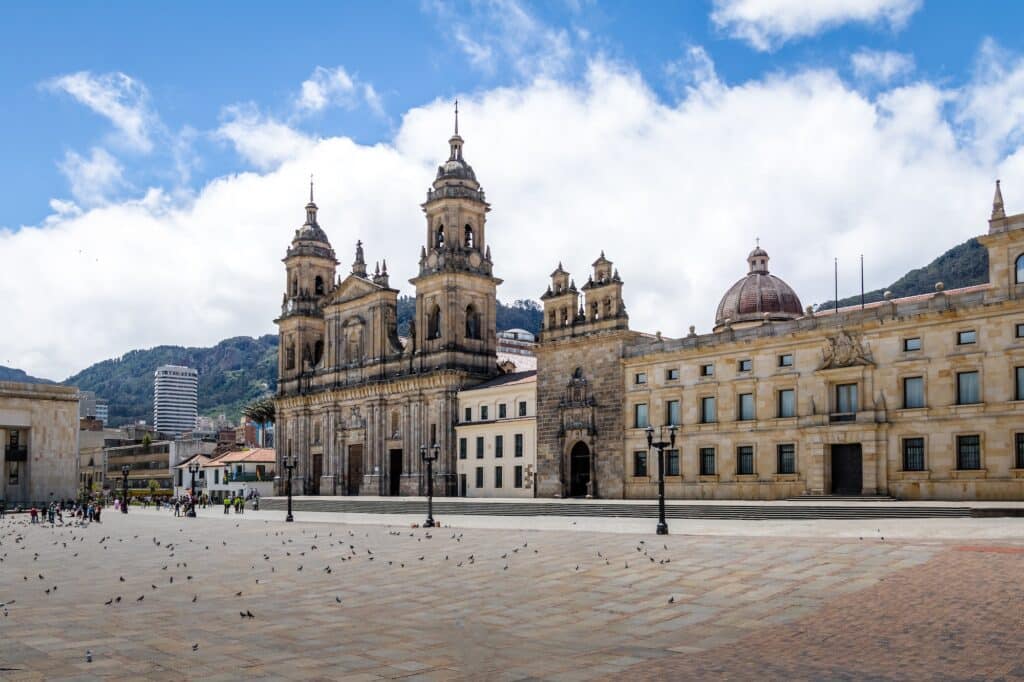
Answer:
(17, 389)
(451, 380)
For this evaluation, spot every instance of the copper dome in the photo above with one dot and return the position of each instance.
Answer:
(758, 296)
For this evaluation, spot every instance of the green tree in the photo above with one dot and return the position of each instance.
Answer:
(153, 486)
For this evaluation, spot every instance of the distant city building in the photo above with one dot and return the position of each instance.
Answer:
(517, 341)
(175, 398)
(146, 462)
(91, 407)
(38, 442)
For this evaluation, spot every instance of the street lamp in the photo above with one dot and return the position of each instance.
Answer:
(429, 456)
(193, 468)
(661, 444)
(289, 464)
(124, 500)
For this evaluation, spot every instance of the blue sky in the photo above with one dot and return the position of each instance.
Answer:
(669, 134)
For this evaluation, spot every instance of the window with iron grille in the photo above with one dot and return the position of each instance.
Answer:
(745, 459)
(913, 454)
(968, 452)
(787, 458)
(640, 463)
(671, 462)
(707, 461)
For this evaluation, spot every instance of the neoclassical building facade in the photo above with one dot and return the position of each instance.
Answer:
(356, 402)
(919, 397)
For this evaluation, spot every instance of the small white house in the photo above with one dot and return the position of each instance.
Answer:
(240, 472)
(182, 477)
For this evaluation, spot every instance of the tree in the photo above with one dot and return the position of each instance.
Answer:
(153, 486)
(261, 411)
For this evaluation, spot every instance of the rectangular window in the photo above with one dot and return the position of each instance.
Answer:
(968, 452)
(433, 434)
(216, 476)
(519, 445)
(672, 375)
(671, 462)
(518, 473)
(640, 416)
(1020, 383)
(1020, 331)
(522, 408)
(787, 458)
(463, 448)
(846, 398)
(1019, 443)
(745, 408)
(913, 454)
(498, 475)
(745, 459)
(707, 370)
(640, 378)
(707, 461)
(673, 413)
(479, 477)
(640, 463)
(967, 388)
(913, 392)
(746, 365)
(707, 410)
(787, 403)
(786, 360)
(483, 413)
(502, 411)
(913, 343)
(469, 414)
(967, 337)
(479, 447)
(499, 446)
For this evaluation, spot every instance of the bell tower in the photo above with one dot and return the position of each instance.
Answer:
(456, 291)
(309, 276)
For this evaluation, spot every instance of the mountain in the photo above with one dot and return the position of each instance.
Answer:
(961, 266)
(231, 375)
(11, 374)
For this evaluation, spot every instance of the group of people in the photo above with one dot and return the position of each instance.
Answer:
(80, 512)
(238, 502)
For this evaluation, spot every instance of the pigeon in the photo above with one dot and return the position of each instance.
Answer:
(141, 598)
(337, 599)
(248, 614)
(238, 594)
(109, 602)
(195, 647)
(121, 578)
(194, 597)
(672, 600)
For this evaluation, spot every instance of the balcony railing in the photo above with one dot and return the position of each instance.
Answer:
(16, 453)
(250, 478)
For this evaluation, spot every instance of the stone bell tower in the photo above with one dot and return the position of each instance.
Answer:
(456, 291)
(309, 276)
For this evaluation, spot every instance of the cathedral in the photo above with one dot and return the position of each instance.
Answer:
(356, 402)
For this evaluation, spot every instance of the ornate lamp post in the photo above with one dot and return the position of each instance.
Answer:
(124, 500)
(193, 468)
(429, 456)
(661, 444)
(289, 463)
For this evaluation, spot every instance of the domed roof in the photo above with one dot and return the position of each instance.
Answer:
(757, 295)
(455, 168)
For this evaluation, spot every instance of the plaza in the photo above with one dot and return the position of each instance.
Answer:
(366, 597)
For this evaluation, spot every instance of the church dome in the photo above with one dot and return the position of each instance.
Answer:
(758, 296)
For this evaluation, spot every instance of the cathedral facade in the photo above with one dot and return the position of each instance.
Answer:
(356, 403)
(918, 398)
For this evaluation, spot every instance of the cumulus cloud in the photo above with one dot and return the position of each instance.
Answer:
(260, 139)
(767, 24)
(694, 71)
(880, 66)
(674, 192)
(118, 97)
(92, 178)
(335, 87)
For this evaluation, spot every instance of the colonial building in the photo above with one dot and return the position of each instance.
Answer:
(497, 437)
(38, 443)
(355, 401)
(919, 397)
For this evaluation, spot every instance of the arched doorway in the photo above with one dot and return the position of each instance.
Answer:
(579, 470)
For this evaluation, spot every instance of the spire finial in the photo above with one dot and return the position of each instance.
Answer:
(757, 242)
(998, 211)
(311, 188)
(456, 117)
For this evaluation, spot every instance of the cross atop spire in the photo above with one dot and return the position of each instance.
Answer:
(456, 117)
(998, 211)
(311, 188)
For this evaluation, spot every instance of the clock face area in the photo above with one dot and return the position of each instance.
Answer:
(474, 259)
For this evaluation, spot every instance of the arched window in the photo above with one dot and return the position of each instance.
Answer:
(607, 307)
(318, 352)
(1020, 269)
(469, 237)
(439, 238)
(553, 322)
(472, 322)
(565, 316)
(295, 286)
(289, 357)
(434, 323)
(593, 311)
(319, 286)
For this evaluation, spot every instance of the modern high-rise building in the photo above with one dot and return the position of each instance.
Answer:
(175, 397)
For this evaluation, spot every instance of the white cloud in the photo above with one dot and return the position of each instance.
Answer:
(767, 24)
(92, 178)
(881, 66)
(675, 193)
(694, 71)
(116, 96)
(326, 87)
(260, 139)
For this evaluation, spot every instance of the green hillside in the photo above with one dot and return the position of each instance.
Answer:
(11, 374)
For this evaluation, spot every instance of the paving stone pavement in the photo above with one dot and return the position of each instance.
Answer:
(496, 604)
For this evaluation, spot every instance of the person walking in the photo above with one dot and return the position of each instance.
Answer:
(227, 503)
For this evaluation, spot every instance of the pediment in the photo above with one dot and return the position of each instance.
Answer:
(351, 288)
